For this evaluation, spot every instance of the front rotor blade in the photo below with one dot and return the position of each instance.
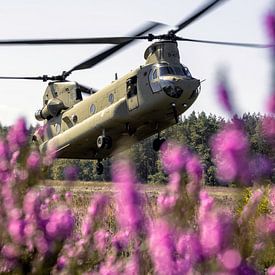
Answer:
(22, 77)
(94, 40)
(100, 57)
(248, 45)
(196, 15)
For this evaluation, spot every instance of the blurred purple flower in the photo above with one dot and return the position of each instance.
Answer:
(4, 150)
(230, 151)
(128, 199)
(270, 25)
(162, 247)
(271, 270)
(132, 267)
(259, 167)
(68, 197)
(96, 208)
(189, 248)
(270, 106)
(268, 128)
(194, 168)
(16, 230)
(71, 173)
(50, 155)
(250, 208)
(271, 197)
(61, 263)
(166, 202)
(9, 251)
(224, 97)
(101, 238)
(33, 160)
(174, 182)
(60, 224)
(231, 259)
(121, 240)
(18, 135)
(174, 158)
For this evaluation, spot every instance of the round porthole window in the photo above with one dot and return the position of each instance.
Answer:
(74, 119)
(111, 98)
(92, 109)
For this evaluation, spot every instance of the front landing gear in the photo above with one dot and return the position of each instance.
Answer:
(99, 168)
(157, 143)
(104, 142)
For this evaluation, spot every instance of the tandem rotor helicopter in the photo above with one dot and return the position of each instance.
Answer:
(141, 103)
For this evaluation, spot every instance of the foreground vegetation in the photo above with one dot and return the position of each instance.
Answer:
(181, 230)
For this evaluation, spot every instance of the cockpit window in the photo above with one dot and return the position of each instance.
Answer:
(165, 71)
(182, 71)
(155, 74)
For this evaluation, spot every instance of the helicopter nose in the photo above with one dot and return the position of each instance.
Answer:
(188, 86)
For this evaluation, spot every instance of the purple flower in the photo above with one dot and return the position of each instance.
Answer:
(231, 259)
(71, 173)
(251, 206)
(60, 224)
(133, 265)
(16, 230)
(271, 270)
(62, 261)
(189, 248)
(271, 197)
(260, 166)
(230, 150)
(9, 251)
(174, 158)
(18, 135)
(50, 155)
(128, 200)
(33, 160)
(174, 182)
(121, 240)
(4, 149)
(223, 97)
(96, 208)
(101, 238)
(268, 128)
(162, 247)
(270, 106)
(270, 24)
(166, 202)
(194, 168)
(68, 197)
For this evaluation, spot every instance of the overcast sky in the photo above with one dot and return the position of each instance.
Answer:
(248, 70)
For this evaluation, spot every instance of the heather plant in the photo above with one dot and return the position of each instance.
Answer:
(182, 232)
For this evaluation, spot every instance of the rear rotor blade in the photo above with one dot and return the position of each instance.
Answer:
(103, 55)
(248, 45)
(202, 11)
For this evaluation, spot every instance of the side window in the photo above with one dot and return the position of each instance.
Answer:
(111, 98)
(92, 109)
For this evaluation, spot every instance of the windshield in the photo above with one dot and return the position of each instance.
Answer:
(179, 70)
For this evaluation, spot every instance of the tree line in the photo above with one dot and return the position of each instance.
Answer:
(194, 131)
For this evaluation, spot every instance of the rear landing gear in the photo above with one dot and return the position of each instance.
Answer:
(157, 143)
(99, 168)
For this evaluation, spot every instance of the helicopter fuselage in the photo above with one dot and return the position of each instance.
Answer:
(131, 108)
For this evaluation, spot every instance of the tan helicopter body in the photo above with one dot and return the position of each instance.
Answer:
(138, 105)
(141, 103)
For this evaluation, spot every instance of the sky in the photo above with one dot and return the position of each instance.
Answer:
(248, 70)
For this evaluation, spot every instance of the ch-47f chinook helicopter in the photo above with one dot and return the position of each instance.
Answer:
(141, 103)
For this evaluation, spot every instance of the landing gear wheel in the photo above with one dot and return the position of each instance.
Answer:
(104, 142)
(157, 143)
(99, 168)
